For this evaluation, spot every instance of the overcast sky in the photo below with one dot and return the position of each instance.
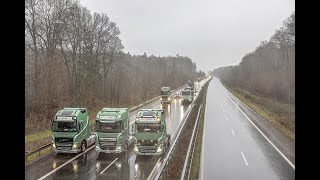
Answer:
(213, 33)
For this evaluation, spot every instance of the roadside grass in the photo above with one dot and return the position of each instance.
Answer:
(196, 159)
(281, 115)
(37, 136)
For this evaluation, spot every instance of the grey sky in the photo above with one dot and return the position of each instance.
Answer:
(212, 33)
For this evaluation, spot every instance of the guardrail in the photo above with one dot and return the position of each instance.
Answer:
(188, 160)
(165, 164)
(39, 150)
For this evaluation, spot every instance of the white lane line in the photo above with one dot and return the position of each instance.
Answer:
(244, 158)
(232, 132)
(56, 169)
(153, 169)
(109, 165)
(275, 147)
(227, 118)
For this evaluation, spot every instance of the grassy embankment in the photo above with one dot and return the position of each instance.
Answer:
(280, 114)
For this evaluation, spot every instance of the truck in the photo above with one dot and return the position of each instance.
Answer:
(112, 130)
(190, 83)
(71, 131)
(150, 132)
(187, 96)
(166, 95)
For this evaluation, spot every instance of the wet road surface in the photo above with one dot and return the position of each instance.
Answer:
(232, 147)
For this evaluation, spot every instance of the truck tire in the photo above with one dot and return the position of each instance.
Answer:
(83, 146)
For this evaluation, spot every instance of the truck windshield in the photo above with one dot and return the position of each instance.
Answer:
(165, 92)
(108, 127)
(64, 126)
(148, 127)
(185, 93)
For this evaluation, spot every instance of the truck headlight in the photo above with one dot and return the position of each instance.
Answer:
(54, 145)
(119, 148)
(136, 148)
(159, 149)
(74, 146)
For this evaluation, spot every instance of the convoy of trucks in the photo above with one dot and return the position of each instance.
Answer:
(166, 95)
(71, 131)
(150, 132)
(112, 130)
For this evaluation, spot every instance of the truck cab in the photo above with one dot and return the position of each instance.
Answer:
(165, 95)
(112, 130)
(150, 132)
(71, 131)
(187, 96)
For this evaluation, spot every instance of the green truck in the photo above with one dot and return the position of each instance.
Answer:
(150, 132)
(71, 131)
(165, 95)
(112, 130)
(187, 96)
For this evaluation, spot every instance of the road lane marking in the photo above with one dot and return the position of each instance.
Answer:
(244, 158)
(227, 118)
(56, 169)
(275, 147)
(153, 169)
(232, 132)
(109, 165)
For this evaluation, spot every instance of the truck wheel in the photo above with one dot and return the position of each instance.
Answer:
(83, 146)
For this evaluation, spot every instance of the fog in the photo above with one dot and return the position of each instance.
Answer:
(212, 33)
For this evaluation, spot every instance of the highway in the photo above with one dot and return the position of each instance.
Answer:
(89, 165)
(233, 148)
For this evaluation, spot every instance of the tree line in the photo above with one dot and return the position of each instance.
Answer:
(76, 58)
(269, 69)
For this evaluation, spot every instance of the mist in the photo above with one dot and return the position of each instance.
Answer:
(212, 33)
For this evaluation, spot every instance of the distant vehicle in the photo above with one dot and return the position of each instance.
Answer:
(71, 131)
(190, 83)
(165, 95)
(191, 89)
(112, 130)
(187, 96)
(150, 132)
(177, 95)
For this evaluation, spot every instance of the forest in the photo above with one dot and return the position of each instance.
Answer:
(75, 58)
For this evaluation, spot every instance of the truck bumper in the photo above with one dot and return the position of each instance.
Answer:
(72, 151)
(148, 154)
(98, 149)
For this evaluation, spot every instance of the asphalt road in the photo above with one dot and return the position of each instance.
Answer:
(89, 165)
(233, 148)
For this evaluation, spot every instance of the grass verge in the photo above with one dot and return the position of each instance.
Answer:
(196, 159)
(281, 115)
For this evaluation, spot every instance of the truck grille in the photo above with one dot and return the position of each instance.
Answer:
(108, 145)
(147, 149)
(63, 143)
